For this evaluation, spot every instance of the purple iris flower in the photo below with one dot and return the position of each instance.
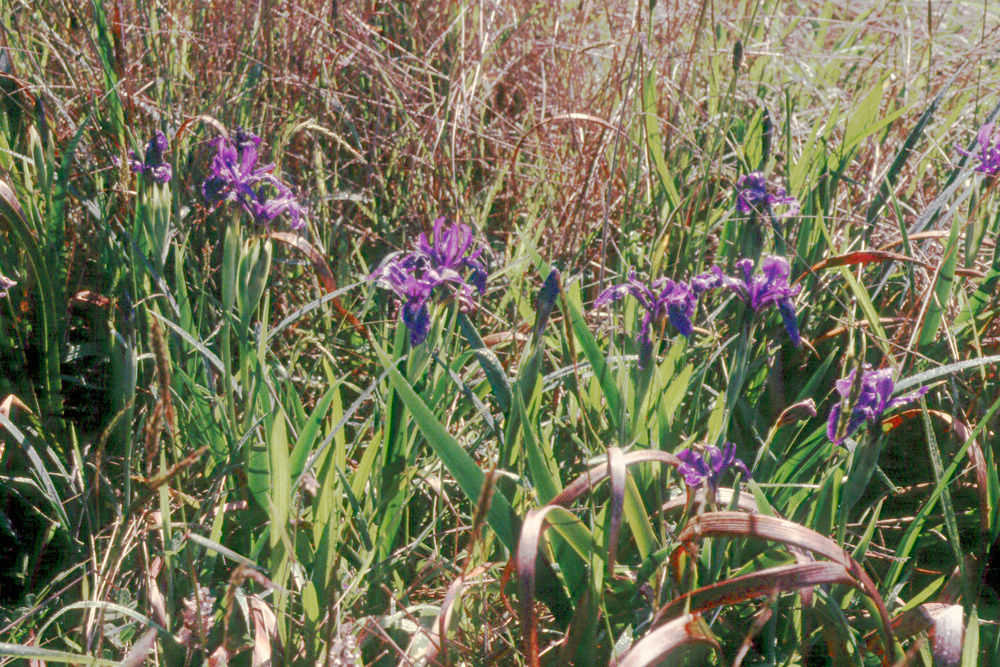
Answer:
(265, 210)
(152, 163)
(752, 195)
(416, 276)
(989, 150)
(696, 469)
(874, 399)
(414, 292)
(770, 286)
(237, 175)
(663, 297)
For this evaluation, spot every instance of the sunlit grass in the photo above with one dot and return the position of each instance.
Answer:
(219, 442)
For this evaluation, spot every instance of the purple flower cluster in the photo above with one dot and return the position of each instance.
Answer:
(662, 298)
(447, 259)
(677, 300)
(874, 399)
(152, 164)
(697, 470)
(988, 139)
(752, 196)
(238, 176)
(763, 289)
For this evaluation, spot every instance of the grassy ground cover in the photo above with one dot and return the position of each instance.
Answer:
(485, 333)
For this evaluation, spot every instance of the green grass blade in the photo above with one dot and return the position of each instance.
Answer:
(943, 282)
(49, 655)
(594, 355)
(456, 460)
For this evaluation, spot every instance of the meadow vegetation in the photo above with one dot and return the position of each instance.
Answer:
(499, 333)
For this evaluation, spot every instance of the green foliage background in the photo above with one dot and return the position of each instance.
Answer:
(218, 444)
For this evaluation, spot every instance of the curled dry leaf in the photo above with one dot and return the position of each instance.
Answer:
(582, 484)
(756, 584)
(265, 628)
(878, 257)
(936, 618)
(5, 407)
(723, 497)
(618, 472)
(8, 196)
(665, 640)
(140, 651)
(947, 636)
(739, 524)
(527, 558)
(438, 632)
(600, 472)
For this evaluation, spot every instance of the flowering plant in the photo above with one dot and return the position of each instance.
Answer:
(237, 175)
(447, 259)
(989, 150)
(662, 298)
(768, 287)
(696, 470)
(874, 398)
(152, 164)
(752, 196)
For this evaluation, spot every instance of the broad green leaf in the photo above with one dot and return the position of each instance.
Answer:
(943, 282)
(456, 460)
(280, 488)
(308, 434)
(588, 343)
(638, 519)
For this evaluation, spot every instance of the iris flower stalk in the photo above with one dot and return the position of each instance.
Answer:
(988, 154)
(698, 471)
(154, 228)
(758, 291)
(768, 287)
(152, 164)
(864, 399)
(755, 199)
(872, 398)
